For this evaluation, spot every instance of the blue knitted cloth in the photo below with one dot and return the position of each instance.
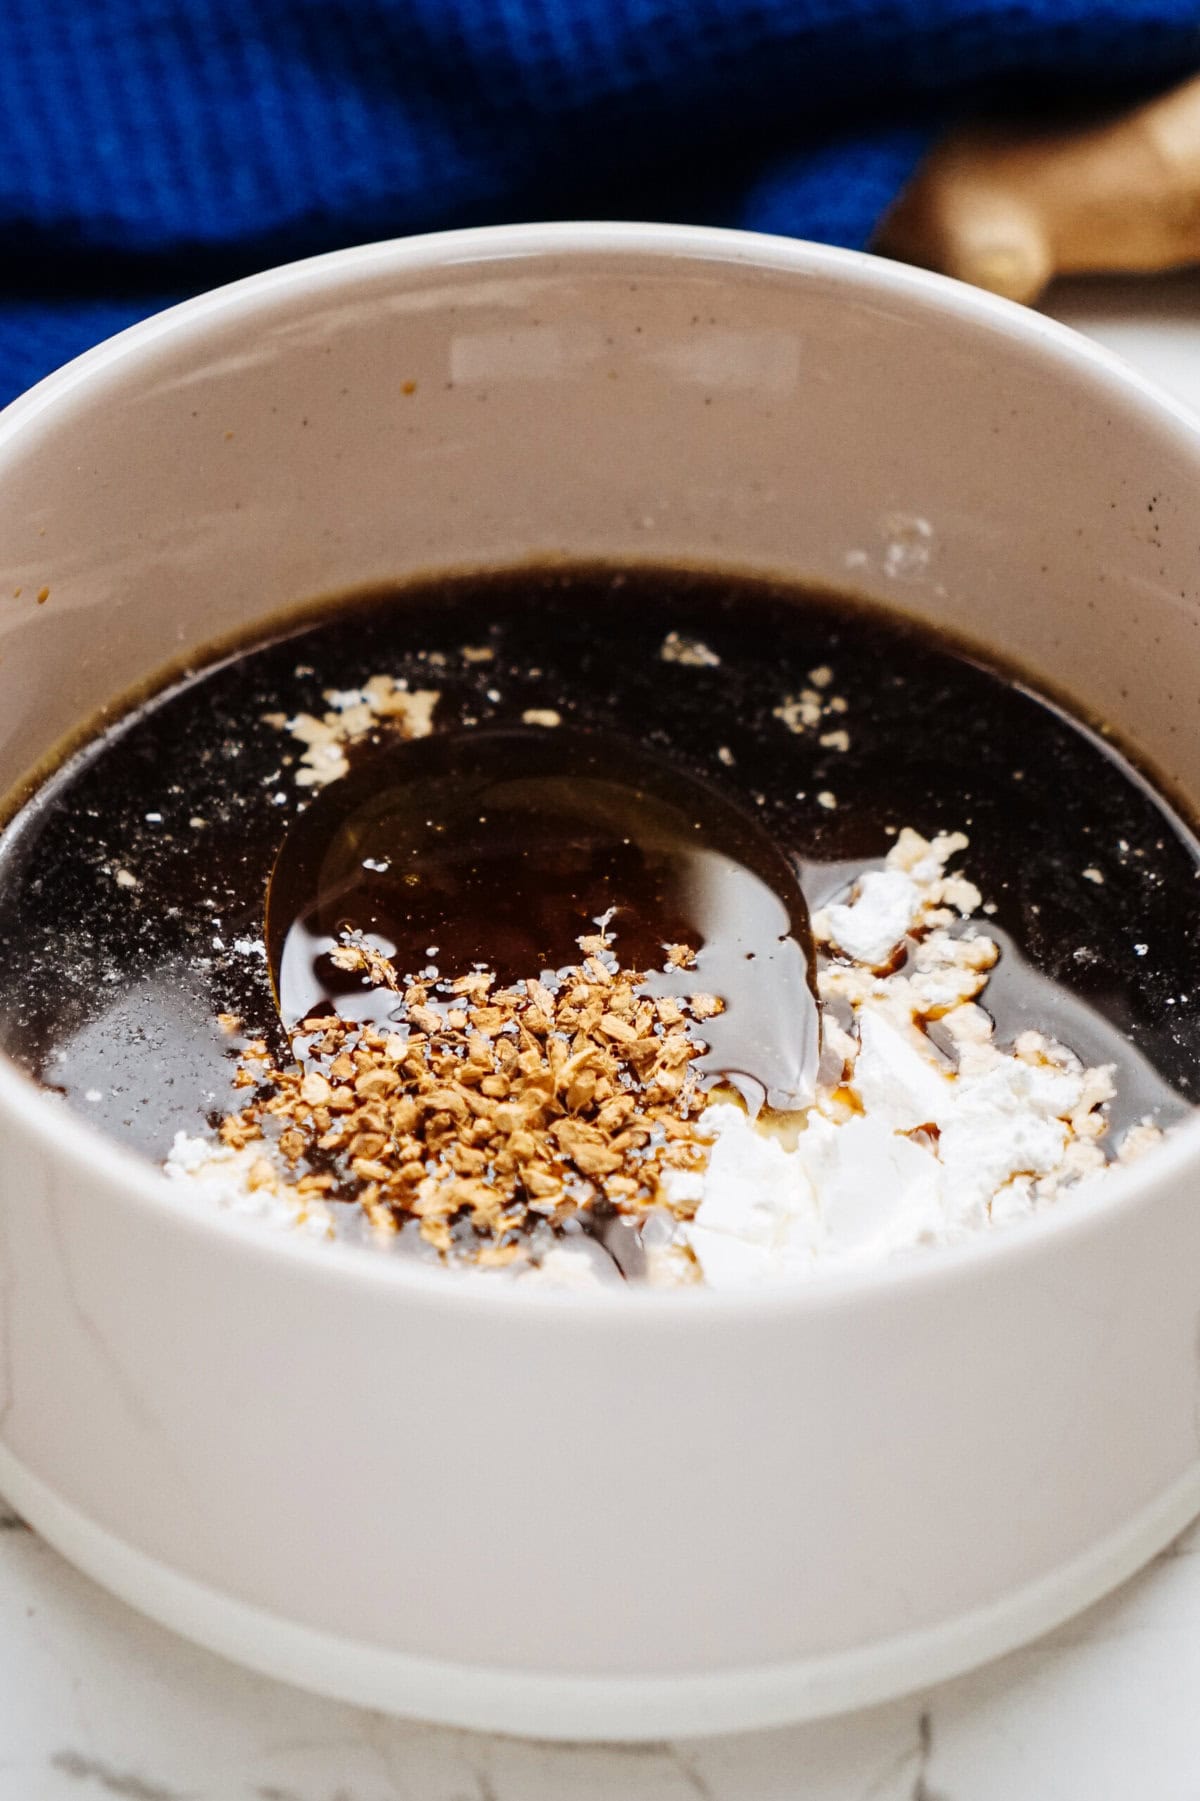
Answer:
(152, 148)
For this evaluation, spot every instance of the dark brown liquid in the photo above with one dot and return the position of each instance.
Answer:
(498, 848)
(109, 993)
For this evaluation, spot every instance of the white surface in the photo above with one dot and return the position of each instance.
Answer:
(1154, 323)
(93, 1701)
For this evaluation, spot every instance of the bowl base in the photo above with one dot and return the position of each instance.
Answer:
(553, 1706)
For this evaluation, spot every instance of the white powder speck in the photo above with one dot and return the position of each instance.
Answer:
(800, 712)
(827, 800)
(567, 1268)
(689, 651)
(870, 926)
(545, 716)
(908, 542)
(1093, 875)
(233, 1181)
(125, 878)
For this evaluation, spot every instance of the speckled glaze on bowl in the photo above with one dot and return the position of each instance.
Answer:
(594, 1516)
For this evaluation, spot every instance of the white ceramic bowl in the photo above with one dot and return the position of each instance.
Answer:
(586, 1516)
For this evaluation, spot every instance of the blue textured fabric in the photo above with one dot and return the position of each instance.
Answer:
(151, 148)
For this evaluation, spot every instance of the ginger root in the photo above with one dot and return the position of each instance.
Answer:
(1008, 208)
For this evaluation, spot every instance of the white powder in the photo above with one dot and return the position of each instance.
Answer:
(848, 1192)
(907, 1146)
(565, 1266)
(869, 928)
(235, 1182)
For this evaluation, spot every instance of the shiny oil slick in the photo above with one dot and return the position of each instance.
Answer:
(499, 848)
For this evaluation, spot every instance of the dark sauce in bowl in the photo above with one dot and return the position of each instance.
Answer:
(133, 883)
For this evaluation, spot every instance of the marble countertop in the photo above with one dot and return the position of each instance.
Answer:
(97, 1703)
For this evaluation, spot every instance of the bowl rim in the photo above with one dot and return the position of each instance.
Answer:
(81, 1150)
